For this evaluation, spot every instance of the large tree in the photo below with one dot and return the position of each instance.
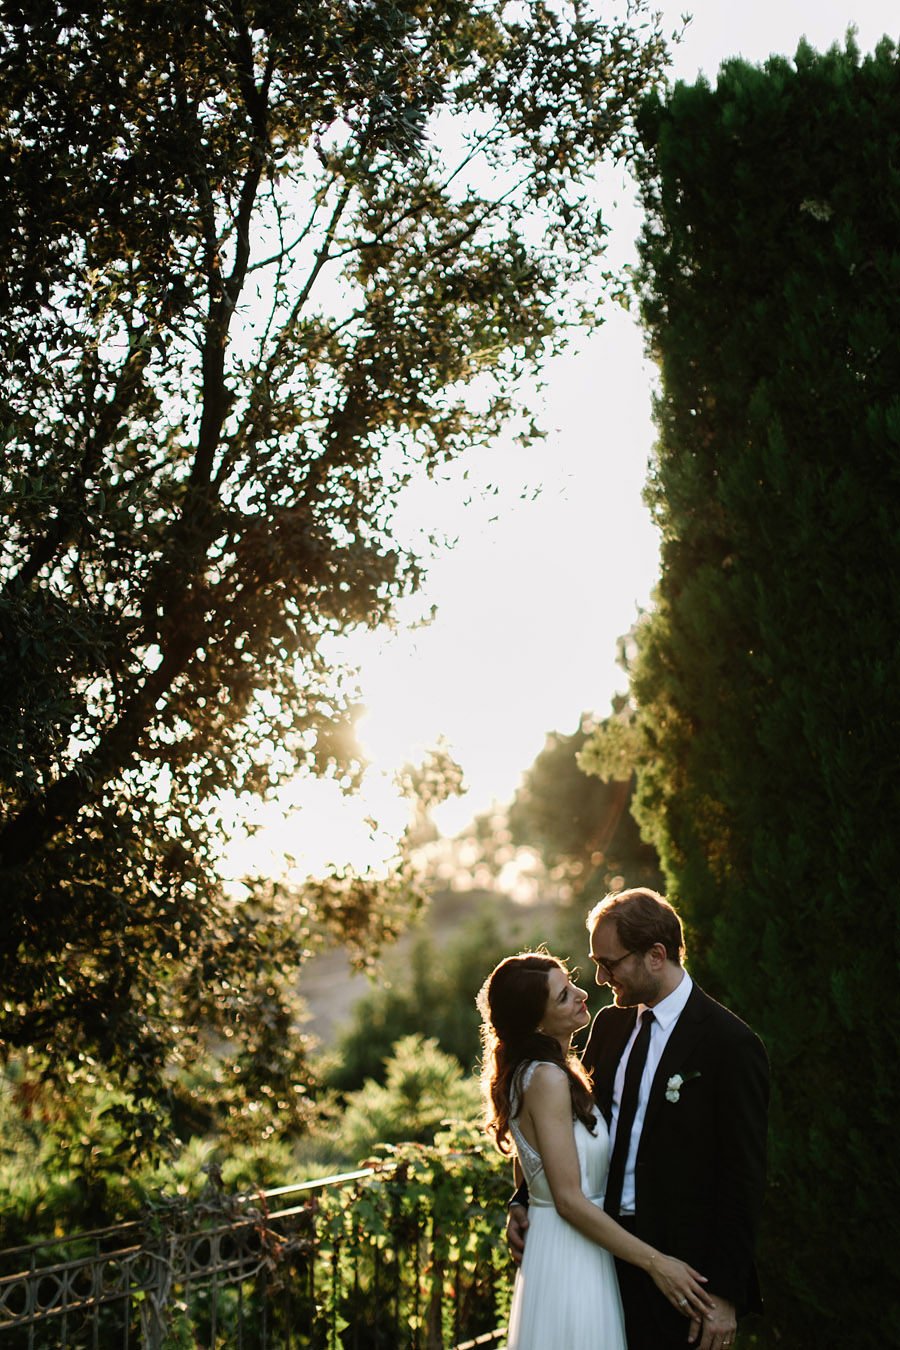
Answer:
(581, 823)
(766, 698)
(263, 262)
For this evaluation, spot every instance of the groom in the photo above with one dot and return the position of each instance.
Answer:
(687, 1123)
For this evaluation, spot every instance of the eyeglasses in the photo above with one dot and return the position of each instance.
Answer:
(609, 966)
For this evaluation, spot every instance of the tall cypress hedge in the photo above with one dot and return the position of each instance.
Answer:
(767, 685)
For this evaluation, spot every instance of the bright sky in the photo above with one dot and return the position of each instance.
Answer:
(550, 571)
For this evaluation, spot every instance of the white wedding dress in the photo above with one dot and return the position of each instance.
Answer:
(566, 1295)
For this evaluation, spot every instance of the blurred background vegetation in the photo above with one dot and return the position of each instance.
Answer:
(396, 1062)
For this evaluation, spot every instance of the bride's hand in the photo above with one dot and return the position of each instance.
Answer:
(681, 1284)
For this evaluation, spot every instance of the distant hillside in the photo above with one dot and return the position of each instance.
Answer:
(331, 987)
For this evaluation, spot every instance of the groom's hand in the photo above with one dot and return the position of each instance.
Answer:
(516, 1224)
(719, 1326)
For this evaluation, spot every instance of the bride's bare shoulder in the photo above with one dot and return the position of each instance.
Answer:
(546, 1079)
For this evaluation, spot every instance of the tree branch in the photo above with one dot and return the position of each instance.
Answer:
(224, 293)
(46, 549)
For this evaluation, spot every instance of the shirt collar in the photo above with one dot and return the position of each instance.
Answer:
(670, 1008)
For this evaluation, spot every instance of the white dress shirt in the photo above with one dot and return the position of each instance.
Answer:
(665, 1014)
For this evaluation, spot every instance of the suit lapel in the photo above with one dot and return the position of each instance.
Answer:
(679, 1045)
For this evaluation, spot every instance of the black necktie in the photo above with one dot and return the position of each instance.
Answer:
(627, 1108)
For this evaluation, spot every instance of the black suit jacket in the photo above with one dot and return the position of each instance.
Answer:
(701, 1161)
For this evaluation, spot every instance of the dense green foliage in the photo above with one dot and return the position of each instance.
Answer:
(65, 1161)
(407, 1255)
(766, 690)
(263, 264)
(422, 1087)
(454, 1193)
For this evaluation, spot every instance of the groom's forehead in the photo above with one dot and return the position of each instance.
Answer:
(604, 936)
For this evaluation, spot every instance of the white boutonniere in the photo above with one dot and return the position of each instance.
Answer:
(677, 1082)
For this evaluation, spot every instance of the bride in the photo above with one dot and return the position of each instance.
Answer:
(535, 1089)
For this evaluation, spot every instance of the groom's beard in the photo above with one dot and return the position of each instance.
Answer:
(629, 993)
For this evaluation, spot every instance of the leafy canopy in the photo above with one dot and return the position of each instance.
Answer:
(263, 264)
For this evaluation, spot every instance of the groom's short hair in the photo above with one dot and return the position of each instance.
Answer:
(642, 918)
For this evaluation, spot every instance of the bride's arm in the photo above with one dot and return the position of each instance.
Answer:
(549, 1105)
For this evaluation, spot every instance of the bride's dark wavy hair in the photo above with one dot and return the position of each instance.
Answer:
(512, 1002)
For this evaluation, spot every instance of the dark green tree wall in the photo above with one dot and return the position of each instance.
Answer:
(766, 691)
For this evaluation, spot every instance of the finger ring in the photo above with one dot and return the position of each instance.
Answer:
(683, 1302)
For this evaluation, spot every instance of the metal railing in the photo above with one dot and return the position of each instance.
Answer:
(359, 1261)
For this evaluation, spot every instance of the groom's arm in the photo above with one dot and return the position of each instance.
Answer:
(520, 1194)
(517, 1215)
